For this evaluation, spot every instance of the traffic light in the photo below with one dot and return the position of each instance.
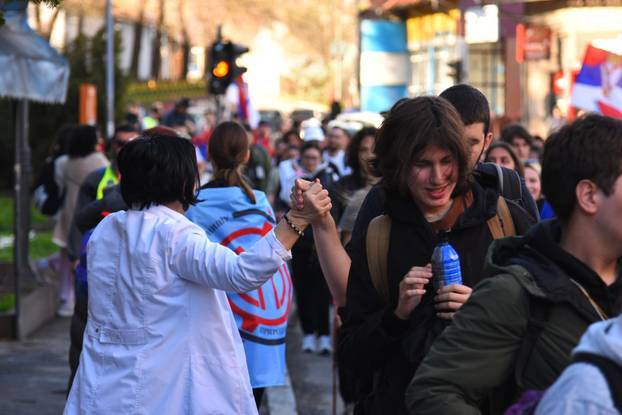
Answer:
(455, 71)
(223, 66)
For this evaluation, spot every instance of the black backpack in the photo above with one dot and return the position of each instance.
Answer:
(47, 196)
(510, 187)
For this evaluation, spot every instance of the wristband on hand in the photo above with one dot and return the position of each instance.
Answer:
(294, 227)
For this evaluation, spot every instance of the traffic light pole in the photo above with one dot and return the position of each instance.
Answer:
(109, 71)
(220, 108)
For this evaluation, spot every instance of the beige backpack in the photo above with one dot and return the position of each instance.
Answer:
(377, 243)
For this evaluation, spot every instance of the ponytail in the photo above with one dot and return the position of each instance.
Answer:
(228, 149)
(233, 177)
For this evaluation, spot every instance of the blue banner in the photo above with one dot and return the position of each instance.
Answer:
(229, 218)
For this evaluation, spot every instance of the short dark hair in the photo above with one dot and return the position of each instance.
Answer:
(590, 148)
(83, 141)
(518, 165)
(515, 130)
(352, 152)
(63, 139)
(183, 103)
(470, 103)
(158, 167)
(411, 126)
(315, 144)
(126, 128)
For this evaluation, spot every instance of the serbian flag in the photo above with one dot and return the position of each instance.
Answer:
(229, 218)
(598, 86)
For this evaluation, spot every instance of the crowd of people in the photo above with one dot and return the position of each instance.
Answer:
(187, 247)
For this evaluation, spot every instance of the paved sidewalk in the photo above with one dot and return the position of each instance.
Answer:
(34, 372)
(311, 375)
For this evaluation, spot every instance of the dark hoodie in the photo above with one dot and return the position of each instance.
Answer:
(373, 342)
(481, 356)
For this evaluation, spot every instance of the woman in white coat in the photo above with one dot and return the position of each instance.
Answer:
(161, 337)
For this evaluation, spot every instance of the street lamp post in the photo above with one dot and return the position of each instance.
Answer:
(109, 71)
(23, 175)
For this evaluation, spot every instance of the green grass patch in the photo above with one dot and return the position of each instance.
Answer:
(40, 247)
(7, 217)
(7, 302)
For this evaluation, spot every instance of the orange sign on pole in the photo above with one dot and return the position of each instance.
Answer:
(88, 104)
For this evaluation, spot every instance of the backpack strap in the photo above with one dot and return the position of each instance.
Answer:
(513, 186)
(610, 370)
(539, 312)
(510, 185)
(377, 246)
(500, 177)
(502, 224)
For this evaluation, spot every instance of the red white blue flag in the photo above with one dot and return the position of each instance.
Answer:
(598, 86)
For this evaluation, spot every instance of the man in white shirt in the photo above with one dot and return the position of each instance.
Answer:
(336, 144)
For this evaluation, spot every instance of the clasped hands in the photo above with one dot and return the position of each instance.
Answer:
(313, 202)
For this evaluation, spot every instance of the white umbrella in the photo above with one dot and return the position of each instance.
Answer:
(31, 71)
(31, 68)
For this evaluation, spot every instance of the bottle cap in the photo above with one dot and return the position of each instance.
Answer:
(443, 235)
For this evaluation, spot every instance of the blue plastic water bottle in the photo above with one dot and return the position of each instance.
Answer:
(445, 263)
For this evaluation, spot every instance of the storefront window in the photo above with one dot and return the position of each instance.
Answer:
(430, 72)
(486, 72)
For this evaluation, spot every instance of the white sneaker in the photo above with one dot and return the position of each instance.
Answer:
(326, 346)
(66, 308)
(308, 343)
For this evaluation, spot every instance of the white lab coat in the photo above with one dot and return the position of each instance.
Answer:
(160, 337)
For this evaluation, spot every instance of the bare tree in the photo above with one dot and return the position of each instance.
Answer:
(185, 45)
(156, 61)
(138, 37)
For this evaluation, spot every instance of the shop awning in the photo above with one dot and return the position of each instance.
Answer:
(31, 68)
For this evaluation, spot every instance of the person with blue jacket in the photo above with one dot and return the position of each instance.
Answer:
(236, 216)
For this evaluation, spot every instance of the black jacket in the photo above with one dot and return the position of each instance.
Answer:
(373, 342)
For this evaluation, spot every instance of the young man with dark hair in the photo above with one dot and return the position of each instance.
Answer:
(473, 108)
(518, 328)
